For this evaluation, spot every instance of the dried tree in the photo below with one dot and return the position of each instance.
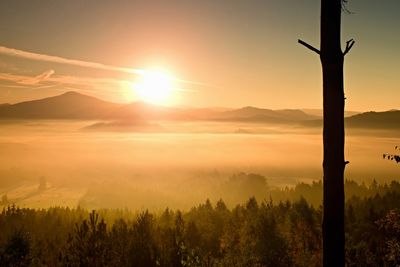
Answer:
(332, 59)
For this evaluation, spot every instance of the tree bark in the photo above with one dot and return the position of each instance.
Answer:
(332, 59)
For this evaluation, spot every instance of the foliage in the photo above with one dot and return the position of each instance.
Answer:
(390, 225)
(267, 233)
(16, 251)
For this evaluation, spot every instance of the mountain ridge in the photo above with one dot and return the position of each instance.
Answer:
(76, 106)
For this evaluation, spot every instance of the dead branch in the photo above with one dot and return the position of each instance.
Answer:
(349, 45)
(309, 46)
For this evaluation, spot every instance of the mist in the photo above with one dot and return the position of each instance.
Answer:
(176, 164)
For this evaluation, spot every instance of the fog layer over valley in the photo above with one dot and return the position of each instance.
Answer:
(164, 163)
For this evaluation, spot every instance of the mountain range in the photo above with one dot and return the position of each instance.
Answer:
(76, 106)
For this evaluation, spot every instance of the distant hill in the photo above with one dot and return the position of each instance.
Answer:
(73, 105)
(367, 120)
(320, 112)
(70, 105)
(125, 126)
(76, 106)
(264, 115)
(387, 119)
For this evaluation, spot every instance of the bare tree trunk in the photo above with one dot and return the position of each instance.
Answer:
(332, 59)
(333, 134)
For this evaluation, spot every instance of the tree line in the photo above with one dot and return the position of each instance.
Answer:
(267, 233)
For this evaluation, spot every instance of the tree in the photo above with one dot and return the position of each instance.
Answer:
(332, 59)
(143, 250)
(88, 244)
(17, 250)
(390, 224)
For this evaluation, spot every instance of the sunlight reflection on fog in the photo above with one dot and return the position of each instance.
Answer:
(196, 156)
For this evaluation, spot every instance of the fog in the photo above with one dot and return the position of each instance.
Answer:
(179, 166)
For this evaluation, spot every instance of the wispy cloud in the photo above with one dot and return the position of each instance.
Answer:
(37, 79)
(87, 64)
(48, 79)
(26, 80)
(61, 60)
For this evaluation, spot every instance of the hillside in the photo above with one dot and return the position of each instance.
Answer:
(76, 106)
(70, 105)
(253, 114)
(387, 119)
(73, 105)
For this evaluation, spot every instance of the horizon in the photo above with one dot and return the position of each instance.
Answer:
(304, 109)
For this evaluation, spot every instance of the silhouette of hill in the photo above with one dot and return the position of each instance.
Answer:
(387, 119)
(73, 105)
(76, 106)
(367, 120)
(319, 112)
(125, 126)
(265, 115)
(70, 105)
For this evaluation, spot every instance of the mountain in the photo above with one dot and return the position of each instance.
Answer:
(387, 119)
(70, 105)
(125, 126)
(73, 105)
(368, 120)
(320, 112)
(253, 114)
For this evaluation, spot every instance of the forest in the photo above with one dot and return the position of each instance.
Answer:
(255, 233)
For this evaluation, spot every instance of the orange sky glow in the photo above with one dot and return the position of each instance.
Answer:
(207, 53)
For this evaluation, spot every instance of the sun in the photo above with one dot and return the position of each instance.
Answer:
(154, 86)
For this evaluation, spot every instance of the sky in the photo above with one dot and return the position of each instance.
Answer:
(220, 53)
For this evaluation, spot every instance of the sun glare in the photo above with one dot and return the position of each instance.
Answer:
(154, 86)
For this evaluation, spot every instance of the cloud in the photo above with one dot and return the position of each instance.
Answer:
(47, 79)
(47, 76)
(37, 79)
(26, 80)
(87, 64)
(55, 59)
